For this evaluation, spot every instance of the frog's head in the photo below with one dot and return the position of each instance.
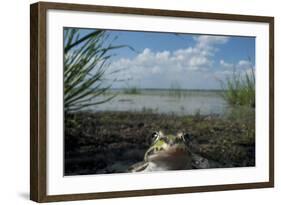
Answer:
(166, 145)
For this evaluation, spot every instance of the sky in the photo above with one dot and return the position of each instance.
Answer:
(190, 61)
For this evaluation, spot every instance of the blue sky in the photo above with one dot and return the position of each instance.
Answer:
(191, 61)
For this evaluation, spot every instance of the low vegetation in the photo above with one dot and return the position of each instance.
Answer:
(110, 142)
(133, 90)
(240, 88)
(176, 90)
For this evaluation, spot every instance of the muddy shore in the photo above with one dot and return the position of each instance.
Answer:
(110, 142)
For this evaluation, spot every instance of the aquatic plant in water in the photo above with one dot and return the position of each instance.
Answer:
(240, 88)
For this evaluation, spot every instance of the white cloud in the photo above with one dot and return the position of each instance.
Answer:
(242, 67)
(226, 65)
(239, 66)
(169, 65)
(207, 44)
(207, 40)
(244, 64)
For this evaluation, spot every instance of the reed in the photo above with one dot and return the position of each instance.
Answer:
(86, 59)
(176, 90)
(240, 88)
(133, 90)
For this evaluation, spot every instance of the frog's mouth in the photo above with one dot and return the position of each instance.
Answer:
(172, 153)
(171, 159)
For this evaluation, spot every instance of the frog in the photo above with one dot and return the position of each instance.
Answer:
(166, 152)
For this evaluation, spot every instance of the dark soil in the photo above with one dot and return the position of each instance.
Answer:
(110, 142)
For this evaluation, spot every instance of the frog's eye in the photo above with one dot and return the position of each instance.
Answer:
(188, 138)
(155, 136)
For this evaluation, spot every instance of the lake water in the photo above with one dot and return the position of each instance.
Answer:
(185, 102)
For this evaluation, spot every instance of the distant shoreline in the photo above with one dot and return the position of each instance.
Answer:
(169, 89)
